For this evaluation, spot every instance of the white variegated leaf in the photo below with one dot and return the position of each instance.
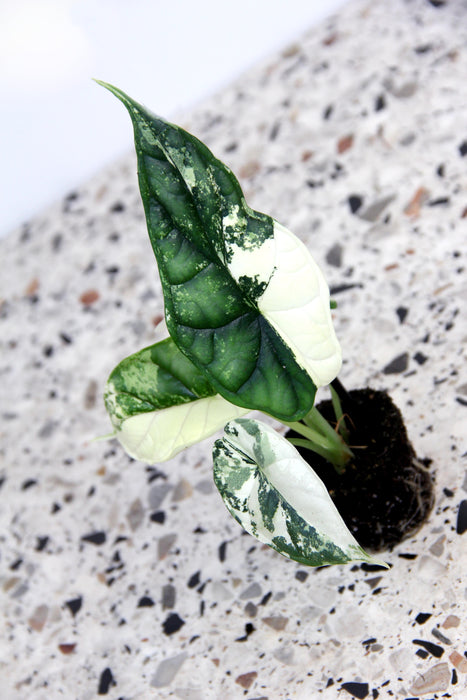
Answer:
(277, 497)
(159, 435)
(159, 403)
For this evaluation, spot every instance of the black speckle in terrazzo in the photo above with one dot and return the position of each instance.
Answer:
(355, 202)
(266, 598)
(423, 48)
(463, 402)
(358, 690)
(117, 208)
(67, 339)
(145, 602)
(194, 580)
(420, 358)
(301, 575)
(369, 641)
(463, 148)
(433, 649)
(222, 551)
(373, 567)
(339, 288)
(422, 653)
(380, 103)
(313, 184)
(172, 624)
(95, 537)
(158, 517)
(440, 201)
(461, 525)
(327, 112)
(397, 365)
(41, 543)
(249, 629)
(28, 484)
(402, 312)
(407, 555)
(422, 618)
(105, 682)
(74, 605)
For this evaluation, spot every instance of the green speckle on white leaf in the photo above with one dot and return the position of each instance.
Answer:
(277, 497)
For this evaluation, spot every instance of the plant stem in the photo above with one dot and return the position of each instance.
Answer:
(337, 406)
(340, 390)
(312, 446)
(322, 438)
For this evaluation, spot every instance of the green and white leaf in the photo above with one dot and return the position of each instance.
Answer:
(159, 403)
(244, 300)
(277, 497)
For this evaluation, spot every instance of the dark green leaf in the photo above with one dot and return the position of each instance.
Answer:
(218, 260)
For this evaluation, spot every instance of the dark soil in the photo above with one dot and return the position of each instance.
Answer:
(386, 492)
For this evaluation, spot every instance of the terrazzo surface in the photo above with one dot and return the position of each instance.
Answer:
(132, 581)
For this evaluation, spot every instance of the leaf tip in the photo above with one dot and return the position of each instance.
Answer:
(123, 97)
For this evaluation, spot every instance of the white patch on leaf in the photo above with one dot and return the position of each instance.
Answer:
(234, 218)
(159, 435)
(255, 262)
(296, 303)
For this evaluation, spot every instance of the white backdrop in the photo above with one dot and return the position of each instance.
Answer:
(57, 127)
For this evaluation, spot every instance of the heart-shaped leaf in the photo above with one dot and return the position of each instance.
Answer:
(277, 497)
(244, 300)
(160, 403)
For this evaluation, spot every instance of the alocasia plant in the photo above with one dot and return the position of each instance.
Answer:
(248, 315)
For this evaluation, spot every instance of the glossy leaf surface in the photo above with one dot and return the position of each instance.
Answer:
(277, 497)
(244, 300)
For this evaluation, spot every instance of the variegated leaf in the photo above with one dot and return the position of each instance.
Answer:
(244, 300)
(277, 497)
(160, 403)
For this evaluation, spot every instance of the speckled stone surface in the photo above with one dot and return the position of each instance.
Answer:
(133, 582)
